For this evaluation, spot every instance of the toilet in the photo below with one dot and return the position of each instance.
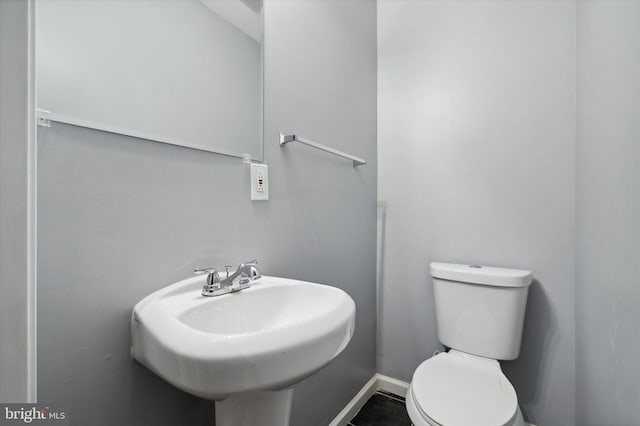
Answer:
(479, 315)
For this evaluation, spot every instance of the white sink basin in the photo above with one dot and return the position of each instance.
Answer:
(264, 338)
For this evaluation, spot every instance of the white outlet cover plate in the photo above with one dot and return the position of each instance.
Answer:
(259, 182)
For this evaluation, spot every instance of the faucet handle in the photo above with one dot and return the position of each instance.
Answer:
(200, 271)
(228, 268)
(250, 269)
(212, 279)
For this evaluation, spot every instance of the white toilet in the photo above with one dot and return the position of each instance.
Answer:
(479, 314)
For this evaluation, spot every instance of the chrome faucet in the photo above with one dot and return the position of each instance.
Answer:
(242, 278)
(213, 280)
(246, 272)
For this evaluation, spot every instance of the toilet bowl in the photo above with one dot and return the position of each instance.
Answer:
(458, 389)
(479, 316)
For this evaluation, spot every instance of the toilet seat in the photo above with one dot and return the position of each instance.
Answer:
(458, 389)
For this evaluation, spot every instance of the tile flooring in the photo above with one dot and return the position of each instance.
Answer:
(382, 409)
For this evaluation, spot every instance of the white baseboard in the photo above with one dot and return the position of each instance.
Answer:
(376, 383)
(391, 385)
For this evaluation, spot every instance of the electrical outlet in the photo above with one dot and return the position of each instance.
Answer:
(259, 181)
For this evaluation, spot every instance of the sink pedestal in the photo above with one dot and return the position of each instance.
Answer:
(264, 408)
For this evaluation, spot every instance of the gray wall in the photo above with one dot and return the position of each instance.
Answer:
(608, 214)
(122, 217)
(476, 165)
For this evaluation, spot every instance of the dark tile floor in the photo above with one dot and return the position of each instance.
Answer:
(382, 409)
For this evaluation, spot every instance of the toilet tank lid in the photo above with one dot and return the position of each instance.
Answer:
(477, 274)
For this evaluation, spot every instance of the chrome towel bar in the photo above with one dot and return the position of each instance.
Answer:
(285, 139)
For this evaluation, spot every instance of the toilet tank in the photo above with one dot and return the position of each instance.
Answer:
(480, 309)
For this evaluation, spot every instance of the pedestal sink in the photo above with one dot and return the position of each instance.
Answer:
(244, 350)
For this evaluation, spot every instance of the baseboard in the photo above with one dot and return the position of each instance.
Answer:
(358, 401)
(376, 383)
(391, 385)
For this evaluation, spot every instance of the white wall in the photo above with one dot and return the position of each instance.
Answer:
(608, 214)
(476, 164)
(17, 204)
